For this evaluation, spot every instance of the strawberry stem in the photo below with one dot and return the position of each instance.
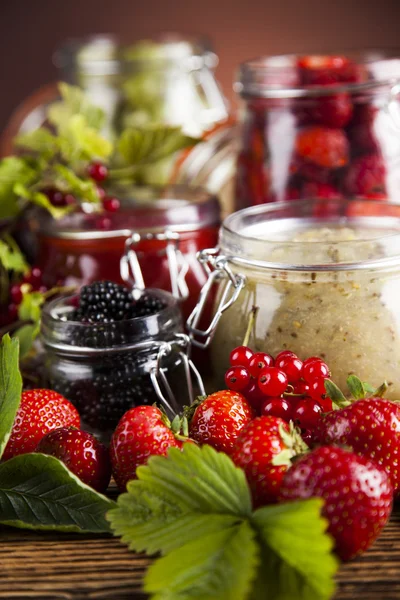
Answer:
(250, 324)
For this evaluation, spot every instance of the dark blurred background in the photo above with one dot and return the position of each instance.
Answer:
(30, 31)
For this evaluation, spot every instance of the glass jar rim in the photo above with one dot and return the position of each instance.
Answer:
(105, 54)
(276, 76)
(241, 245)
(178, 208)
(140, 333)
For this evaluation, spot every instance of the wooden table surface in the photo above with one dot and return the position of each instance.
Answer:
(76, 567)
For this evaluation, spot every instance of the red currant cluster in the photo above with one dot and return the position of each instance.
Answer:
(283, 387)
(99, 173)
(33, 279)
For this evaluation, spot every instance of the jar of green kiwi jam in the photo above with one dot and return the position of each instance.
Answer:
(326, 279)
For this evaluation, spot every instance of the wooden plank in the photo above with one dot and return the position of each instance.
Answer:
(73, 567)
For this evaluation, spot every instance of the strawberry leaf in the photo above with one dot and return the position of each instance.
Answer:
(368, 387)
(10, 387)
(335, 394)
(39, 492)
(224, 567)
(297, 556)
(356, 387)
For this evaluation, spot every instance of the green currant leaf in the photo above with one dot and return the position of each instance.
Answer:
(13, 170)
(40, 140)
(356, 387)
(41, 200)
(74, 102)
(144, 145)
(80, 142)
(39, 492)
(11, 256)
(218, 566)
(297, 558)
(83, 188)
(10, 387)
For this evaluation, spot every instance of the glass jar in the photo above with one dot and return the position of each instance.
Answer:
(319, 127)
(326, 282)
(159, 230)
(105, 369)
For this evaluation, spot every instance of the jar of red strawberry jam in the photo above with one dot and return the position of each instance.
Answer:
(151, 241)
(325, 278)
(319, 126)
(107, 361)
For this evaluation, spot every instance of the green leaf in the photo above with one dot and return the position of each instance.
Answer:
(144, 145)
(29, 310)
(218, 566)
(41, 200)
(74, 102)
(13, 170)
(335, 394)
(356, 387)
(368, 387)
(10, 387)
(11, 256)
(39, 492)
(40, 140)
(66, 180)
(298, 563)
(81, 142)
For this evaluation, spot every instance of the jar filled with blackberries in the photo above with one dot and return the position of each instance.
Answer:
(103, 348)
(319, 127)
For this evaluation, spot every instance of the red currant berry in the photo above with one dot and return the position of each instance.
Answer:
(254, 395)
(326, 404)
(240, 356)
(103, 223)
(97, 171)
(34, 278)
(276, 407)
(101, 192)
(258, 362)
(237, 378)
(301, 387)
(284, 354)
(315, 369)
(317, 390)
(56, 197)
(292, 366)
(111, 204)
(272, 381)
(308, 437)
(70, 200)
(310, 360)
(307, 413)
(16, 294)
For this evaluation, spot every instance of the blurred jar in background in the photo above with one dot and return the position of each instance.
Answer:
(319, 127)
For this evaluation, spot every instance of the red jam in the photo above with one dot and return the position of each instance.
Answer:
(318, 127)
(82, 247)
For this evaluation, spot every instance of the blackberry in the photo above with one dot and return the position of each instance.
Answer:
(104, 302)
(148, 304)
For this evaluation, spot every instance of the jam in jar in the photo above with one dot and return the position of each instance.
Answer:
(105, 368)
(157, 230)
(319, 127)
(326, 284)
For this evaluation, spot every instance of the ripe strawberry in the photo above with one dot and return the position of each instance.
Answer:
(327, 70)
(369, 427)
(358, 495)
(143, 431)
(323, 146)
(85, 456)
(333, 111)
(366, 175)
(40, 411)
(219, 419)
(311, 189)
(264, 449)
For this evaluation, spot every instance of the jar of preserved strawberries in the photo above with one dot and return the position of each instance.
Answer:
(319, 127)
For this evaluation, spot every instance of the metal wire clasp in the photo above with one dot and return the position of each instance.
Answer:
(181, 346)
(217, 267)
(131, 271)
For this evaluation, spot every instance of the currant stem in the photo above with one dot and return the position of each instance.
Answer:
(250, 324)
